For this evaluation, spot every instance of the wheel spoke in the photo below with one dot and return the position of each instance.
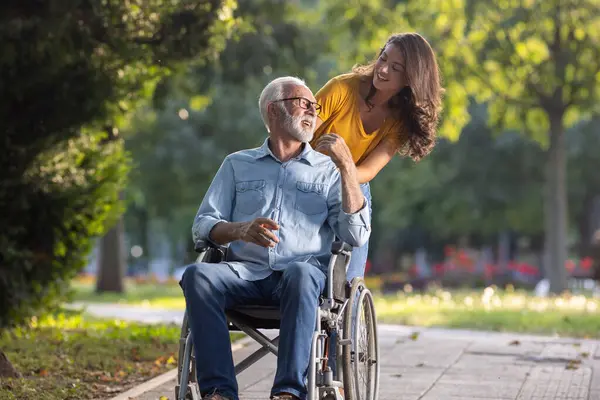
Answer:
(361, 367)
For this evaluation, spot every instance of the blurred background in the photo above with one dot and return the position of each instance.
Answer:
(119, 114)
(518, 134)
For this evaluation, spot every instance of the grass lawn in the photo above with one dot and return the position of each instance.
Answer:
(168, 295)
(68, 357)
(489, 309)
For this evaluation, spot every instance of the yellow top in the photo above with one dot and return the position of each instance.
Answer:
(340, 114)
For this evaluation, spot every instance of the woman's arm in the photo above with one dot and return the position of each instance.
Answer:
(379, 157)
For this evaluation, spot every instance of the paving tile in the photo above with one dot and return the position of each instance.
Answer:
(446, 368)
(556, 383)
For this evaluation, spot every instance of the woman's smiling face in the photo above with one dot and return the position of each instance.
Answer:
(389, 72)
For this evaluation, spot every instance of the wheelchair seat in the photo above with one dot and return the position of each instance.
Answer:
(260, 317)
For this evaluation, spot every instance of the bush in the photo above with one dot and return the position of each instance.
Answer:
(63, 201)
(70, 72)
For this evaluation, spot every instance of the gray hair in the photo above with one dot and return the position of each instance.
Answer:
(274, 91)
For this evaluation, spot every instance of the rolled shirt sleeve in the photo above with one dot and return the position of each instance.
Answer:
(217, 203)
(353, 229)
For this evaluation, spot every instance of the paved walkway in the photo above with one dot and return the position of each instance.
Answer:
(459, 365)
(437, 364)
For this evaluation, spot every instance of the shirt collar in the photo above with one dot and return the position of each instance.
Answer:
(307, 154)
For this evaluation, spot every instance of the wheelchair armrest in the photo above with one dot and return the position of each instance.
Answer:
(339, 247)
(210, 251)
(204, 245)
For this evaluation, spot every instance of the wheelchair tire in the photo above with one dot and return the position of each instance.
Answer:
(360, 359)
(191, 381)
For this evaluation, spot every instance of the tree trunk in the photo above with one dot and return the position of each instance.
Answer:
(111, 261)
(584, 225)
(593, 239)
(145, 239)
(555, 208)
(7, 370)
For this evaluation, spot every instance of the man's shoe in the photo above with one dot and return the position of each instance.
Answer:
(284, 396)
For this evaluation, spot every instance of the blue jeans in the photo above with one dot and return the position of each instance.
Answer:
(209, 289)
(358, 260)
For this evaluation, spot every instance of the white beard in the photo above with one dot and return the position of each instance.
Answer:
(297, 129)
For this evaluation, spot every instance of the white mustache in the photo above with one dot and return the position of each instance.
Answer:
(311, 121)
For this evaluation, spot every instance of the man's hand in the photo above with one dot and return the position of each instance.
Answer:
(335, 147)
(259, 232)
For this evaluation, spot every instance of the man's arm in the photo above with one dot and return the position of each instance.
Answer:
(334, 146)
(351, 221)
(352, 197)
(217, 204)
(212, 222)
(345, 195)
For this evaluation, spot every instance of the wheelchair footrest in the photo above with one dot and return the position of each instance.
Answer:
(192, 393)
(331, 393)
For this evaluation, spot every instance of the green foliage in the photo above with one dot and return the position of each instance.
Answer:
(535, 64)
(482, 184)
(530, 60)
(360, 29)
(479, 185)
(62, 201)
(72, 71)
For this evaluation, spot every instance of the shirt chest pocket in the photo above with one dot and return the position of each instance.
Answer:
(310, 198)
(249, 196)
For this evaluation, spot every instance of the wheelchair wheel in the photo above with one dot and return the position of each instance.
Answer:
(360, 365)
(186, 365)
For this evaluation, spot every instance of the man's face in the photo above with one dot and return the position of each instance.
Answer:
(299, 113)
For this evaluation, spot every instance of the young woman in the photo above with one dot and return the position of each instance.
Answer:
(389, 106)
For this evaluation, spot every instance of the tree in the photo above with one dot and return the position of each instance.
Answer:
(583, 142)
(535, 63)
(476, 187)
(71, 71)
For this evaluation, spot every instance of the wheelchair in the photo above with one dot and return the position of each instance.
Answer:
(345, 309)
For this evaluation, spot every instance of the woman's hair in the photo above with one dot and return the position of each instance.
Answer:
(418, 104)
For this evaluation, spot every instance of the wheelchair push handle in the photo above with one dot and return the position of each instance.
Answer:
(339, 247)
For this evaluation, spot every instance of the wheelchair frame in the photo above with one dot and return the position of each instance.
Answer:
(336, 313)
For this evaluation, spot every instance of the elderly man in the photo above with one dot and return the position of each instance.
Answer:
(279, 207)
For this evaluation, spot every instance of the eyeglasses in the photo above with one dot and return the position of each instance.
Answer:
(303, 102)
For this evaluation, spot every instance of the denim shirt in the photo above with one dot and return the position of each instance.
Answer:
(303, 195)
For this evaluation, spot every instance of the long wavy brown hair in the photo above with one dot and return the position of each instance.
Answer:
(418, 105)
